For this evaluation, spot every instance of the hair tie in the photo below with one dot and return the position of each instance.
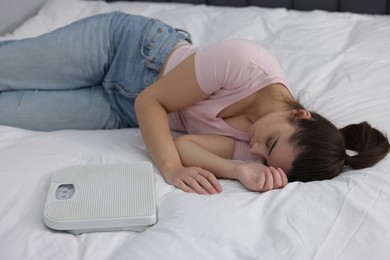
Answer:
(347, 159)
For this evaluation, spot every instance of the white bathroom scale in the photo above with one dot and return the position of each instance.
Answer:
(107, 197)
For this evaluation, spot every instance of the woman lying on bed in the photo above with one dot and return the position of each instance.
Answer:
(116, 70)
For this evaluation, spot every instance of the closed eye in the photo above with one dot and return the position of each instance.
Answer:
(273, 146)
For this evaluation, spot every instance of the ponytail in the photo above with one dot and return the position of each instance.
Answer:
(370, 144)
(321, 148)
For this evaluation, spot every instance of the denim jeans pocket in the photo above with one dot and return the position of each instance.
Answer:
(152, 37)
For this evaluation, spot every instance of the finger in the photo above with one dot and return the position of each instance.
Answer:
(261, 182)
(269, 180)
(184, 187)
(258, 183)
(210, 183)
(202, 185)
(283, 175)
(194, 184)
(277, 178)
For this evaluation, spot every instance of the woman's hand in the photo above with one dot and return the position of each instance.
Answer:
(258, 177)
(194, 179)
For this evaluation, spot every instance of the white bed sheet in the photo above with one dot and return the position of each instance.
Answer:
(340, 63)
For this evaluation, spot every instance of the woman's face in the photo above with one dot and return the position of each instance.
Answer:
(269, 138)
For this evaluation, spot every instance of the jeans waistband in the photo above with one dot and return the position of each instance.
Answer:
(159, 41)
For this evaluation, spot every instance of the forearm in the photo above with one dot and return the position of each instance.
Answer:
(153, 122)
(194, 154)
(213, 153)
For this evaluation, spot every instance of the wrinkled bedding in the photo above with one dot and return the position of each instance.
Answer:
(340, 65)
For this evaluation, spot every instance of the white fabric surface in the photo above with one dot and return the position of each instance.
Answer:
(340, 63)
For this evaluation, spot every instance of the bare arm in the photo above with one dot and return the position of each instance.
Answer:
(176, 90)
(213, 153)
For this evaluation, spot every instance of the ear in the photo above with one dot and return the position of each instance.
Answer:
(300, 114)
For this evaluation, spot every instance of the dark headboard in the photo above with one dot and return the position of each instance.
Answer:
(355, 6)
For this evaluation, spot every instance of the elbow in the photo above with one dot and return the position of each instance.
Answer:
(185, 147)
(184, 139)
(181, 141)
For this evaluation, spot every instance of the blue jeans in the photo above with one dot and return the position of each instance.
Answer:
(85, 75)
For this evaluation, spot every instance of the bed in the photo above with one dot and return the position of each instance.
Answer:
(337, 59)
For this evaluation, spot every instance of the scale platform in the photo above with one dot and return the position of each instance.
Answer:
(107, 197)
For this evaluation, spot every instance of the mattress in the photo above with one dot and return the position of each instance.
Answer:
(340, 65)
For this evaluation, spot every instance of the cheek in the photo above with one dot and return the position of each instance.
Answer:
(282, 159)
(277, 163)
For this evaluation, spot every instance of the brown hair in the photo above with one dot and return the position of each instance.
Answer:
(322, 147)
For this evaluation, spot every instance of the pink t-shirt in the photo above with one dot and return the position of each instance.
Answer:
(228, 71)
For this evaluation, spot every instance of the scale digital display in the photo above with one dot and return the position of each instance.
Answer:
(65, 192)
